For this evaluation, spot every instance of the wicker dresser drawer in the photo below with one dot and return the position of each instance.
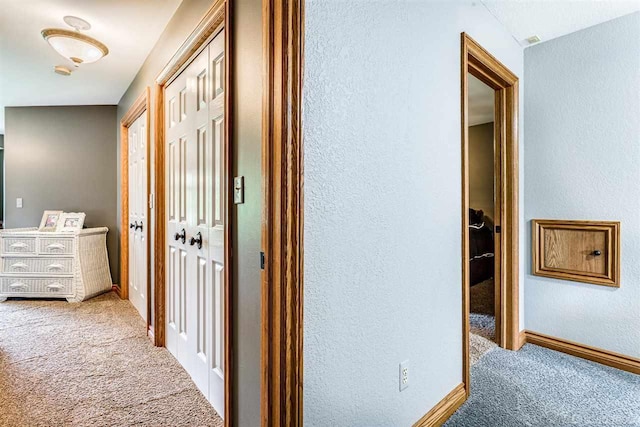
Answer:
(43, 286)
(55, 246)
(19, 245)
(53, 266)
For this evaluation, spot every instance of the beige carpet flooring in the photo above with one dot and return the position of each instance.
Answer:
(90, 364)
(482, 320)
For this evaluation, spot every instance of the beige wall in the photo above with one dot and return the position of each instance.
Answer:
(62, 158)
(481, 168)
(247, 152)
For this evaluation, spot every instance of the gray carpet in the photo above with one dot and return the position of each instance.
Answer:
(90, 364)
(544, 388)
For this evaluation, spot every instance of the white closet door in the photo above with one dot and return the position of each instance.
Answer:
(215, 225)
(138, 224)
(194, 114)
(197, 168)
(177, 120)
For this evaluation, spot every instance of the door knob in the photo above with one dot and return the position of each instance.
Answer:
(597, 253)
(132, 226)
(197, 239)
(181, 236)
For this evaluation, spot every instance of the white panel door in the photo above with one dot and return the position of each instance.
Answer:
(138, 228)
(196, 179)
(177, 118)
(215, 225)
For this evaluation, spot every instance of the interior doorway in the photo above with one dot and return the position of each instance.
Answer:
(489, 241)
(484, 214)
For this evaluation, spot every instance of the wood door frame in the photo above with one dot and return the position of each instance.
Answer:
(140, 105)
(282, 220)
(480, 63)
(217, 19)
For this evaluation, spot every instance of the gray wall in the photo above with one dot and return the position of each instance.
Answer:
(382, 204)
(582, 161)
(62, 158)
(481, 171)
(247, 121)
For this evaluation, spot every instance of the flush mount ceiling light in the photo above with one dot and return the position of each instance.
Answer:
(73, 45)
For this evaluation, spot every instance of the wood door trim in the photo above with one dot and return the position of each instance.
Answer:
(217, 18)
(479, 62)
(282, 223)
(140, 105)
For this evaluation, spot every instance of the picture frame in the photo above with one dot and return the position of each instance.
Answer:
(71, 221)
(50, 221)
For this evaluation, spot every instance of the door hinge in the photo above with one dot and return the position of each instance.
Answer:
(261, 260)
(498, 229)
(151, 201)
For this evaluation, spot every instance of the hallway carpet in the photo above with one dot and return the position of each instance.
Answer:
(544, 388)
(90, 364)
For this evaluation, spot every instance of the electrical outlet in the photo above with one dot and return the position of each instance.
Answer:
(404, 375)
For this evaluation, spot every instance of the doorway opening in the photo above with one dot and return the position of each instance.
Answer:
(489, 202)
(484, 178)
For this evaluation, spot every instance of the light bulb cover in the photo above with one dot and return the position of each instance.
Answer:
(76, 47)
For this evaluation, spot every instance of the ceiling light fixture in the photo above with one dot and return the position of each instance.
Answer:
(73, 45)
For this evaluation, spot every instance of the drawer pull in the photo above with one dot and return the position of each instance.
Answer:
(51, 267)
(55, 286)
(19, 266)
(55, 246)
(18, 245)
(17, 285)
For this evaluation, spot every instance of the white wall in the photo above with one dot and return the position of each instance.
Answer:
(382, 204)
(582, 115)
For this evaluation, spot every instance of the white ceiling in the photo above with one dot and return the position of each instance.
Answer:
(481, 102)
(549, 19)
(129, 28)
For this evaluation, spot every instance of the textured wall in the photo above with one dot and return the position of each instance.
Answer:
(247, 132)
(62, 158)
(582, 118)
(382, 204)
(481, 168)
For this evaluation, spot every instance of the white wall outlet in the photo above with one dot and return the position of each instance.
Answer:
(404, 375)
(19, 202)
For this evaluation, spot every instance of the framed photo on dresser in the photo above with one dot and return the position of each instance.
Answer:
(71, 221)
(50, 220)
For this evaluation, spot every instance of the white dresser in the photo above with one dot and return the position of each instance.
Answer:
(71, 265)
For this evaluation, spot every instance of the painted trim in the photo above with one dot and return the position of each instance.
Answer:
(140, 105)
(217, 19)
(594, 354)
(282, 222)
(444, 409)
(479, 62)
